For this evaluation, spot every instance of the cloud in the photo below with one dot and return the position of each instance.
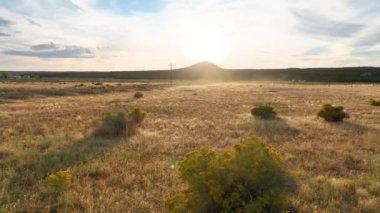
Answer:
(375, 54)
(40, 8)
(366, 7)
(52, 51)
(318, 51)
(4, 22)
(30, 21)
(316, 24)
(5, 34)
(370, 39)
(48, 46)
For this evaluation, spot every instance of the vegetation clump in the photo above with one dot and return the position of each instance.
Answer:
(264, 112)
(248, 178)
(135, 118)
(114, 124)
(332, 113)
(137, 115)
(59, 180)
(4, 75)
(374, 102)
(138, 95)
(120, 124)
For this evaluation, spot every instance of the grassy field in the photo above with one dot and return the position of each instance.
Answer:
(45, 127)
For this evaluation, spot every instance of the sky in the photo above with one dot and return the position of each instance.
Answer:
(112, 35)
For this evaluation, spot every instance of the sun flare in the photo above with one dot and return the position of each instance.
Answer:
(204, 42)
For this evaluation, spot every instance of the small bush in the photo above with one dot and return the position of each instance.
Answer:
(114, 124)
(374, 102)
(137, 115)
(135, 118)
(138, 95)
(59, 180)
(97, 83)
(265, 112)
(120, 124)
(332, 113)
(248, 178)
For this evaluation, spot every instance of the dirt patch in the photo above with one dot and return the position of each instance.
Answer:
(4, 155)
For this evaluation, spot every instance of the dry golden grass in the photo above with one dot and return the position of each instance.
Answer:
(336, 165)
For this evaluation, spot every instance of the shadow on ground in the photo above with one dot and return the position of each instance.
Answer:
(27, 176)
(354, 127)
(269, 128)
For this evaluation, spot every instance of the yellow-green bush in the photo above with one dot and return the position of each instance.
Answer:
(248, 178)
(59, 179)
(332, 113)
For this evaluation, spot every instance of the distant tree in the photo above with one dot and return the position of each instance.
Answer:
(4, 75)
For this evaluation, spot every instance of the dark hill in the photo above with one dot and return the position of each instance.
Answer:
(210, 71)
(203, 66)
(202, 70)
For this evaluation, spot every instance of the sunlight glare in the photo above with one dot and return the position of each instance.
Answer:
(206, 42)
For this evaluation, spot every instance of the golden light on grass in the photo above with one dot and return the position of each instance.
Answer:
(336, 165)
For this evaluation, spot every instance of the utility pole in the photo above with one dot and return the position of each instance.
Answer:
(171, 74)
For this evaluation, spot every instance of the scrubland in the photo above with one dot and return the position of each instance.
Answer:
(46, 127)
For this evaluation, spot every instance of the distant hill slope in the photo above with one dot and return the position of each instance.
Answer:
(203, 66)
(202, 70)
(209, 71)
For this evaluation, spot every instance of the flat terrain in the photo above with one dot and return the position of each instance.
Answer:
(337, 166)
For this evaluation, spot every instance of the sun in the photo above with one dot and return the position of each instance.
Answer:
(206, 42)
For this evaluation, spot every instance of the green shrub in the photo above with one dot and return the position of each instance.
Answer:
(248, 178)
(374, 102)
(265, 112)
(135, 118)
(138, 95)
(114, 124)
(332, 113)
(120, 124)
